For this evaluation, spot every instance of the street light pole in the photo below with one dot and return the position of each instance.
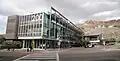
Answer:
(102, 34)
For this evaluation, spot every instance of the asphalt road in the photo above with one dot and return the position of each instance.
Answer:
(89, 54)
(72, 54)
(10, 56)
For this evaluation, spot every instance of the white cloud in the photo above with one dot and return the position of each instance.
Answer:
(107, 13)
(75, 10)
(19, 7)
(3, 19)
(9, 8)
(12, 7)
(3, 23)
(97, 3)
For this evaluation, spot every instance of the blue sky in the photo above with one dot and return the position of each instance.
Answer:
(76, 10)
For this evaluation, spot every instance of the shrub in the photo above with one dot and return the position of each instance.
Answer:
(11, 44)
(118, 40)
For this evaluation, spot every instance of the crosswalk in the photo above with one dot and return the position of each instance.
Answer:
(51, 56)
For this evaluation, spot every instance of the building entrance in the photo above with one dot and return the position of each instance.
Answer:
(39, 44)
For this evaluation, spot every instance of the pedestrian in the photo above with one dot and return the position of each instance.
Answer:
(27, 49)
(31, 48)
(8, 48)
(13, 49)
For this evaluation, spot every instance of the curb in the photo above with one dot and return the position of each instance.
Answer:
(111, 49)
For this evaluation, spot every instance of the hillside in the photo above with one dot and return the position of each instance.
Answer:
(91, 24)
(109, 28)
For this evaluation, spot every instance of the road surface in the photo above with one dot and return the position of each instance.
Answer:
(70, 54)
(89, 54)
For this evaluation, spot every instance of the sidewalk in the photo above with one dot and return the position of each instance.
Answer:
(24, 51)
(111, 48)
(58, 49)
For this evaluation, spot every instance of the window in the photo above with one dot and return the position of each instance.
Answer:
(40, 25)
(30, 17)
(23, 18)
(35, 26)
(20, 28)
(40, 16)
(19, 19)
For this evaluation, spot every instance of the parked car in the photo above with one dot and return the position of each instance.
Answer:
(88, 45)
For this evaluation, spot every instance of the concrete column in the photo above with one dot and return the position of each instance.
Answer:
(35, 43)
(50, 22)
(42, 30)
(23, 44)
(69, 44)
(42, 44)
(45, 44)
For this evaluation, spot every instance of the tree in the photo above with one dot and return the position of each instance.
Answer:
(2, 39)
(118, 39)
(7, 44)
(112, 39)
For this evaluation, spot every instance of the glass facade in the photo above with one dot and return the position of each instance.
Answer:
(50, 27)
(39, 43)
(30, 25)
(60, 28)
(45, 26)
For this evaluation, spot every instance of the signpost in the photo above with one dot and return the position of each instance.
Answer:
(59, 43)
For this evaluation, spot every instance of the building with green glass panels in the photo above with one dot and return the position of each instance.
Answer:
(43, 30)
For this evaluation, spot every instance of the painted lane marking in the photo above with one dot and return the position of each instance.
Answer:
(21, 57)
(57, 56)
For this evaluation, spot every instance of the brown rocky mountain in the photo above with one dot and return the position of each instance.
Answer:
(109, 28)
(91, 24)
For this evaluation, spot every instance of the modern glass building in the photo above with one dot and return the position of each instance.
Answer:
(43, 30)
